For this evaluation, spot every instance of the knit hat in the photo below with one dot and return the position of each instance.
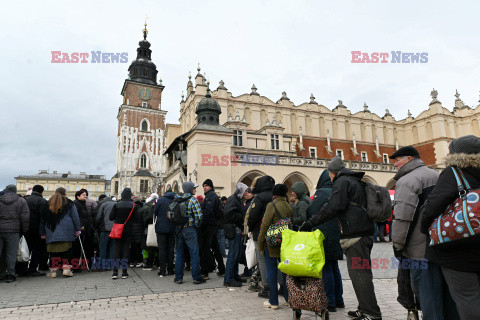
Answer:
(467, 144)
(280, 190)
(208, 182)
(336, 164)
(11, 188)
(407, 151)
(127, 193)
(188, 187)
(38, 188)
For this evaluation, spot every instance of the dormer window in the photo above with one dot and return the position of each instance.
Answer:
(274, 142)
(144, 104)
(237, 138)
(364, 156)
(313, 152)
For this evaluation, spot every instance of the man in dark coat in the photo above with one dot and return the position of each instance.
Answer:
(333, 252)
(102, 220)
(37, 206)
(346, 203)
(14, 221)
(165, 235)
(262, 189)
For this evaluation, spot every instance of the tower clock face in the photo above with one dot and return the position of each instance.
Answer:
(145, 93)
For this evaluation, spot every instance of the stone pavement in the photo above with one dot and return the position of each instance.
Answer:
(144, 294)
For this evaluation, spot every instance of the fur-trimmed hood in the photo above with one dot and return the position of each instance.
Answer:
(463, 160)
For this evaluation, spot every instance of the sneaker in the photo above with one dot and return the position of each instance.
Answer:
(178, 281)
(241, 280)
(332, 309)
(131, 265)
(161, 274)
(10, 278)
(115, 276)
(125, 275)
(340, 305)
(267, 304)
(139, 265)
(365, 317)
(199, 281)
(232, 284)
(354, 314)
(35, 274)
(147, 268)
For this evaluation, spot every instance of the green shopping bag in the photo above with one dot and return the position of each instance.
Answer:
(302, 253)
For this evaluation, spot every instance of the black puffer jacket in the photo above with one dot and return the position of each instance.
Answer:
(85, 218)
(354, 222)
(262, 188)
(210, 205)
(464, 255)
(38, 206)
(120, 212)
(14, 214)
(330, 229)
(137, 228)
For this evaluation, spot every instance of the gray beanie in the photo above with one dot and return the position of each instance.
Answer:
(11, 188)
(467, 144)
(336, 164)
(188, 187)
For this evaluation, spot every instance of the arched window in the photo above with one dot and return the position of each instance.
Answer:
(144, 126)
(145, 72)
(143, 161)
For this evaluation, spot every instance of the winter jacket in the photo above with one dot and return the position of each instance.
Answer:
(37, 206)
(330, 229)
(209, 206)
(346, 202)
(66, 228)
(147, 213)
(91, 206)
(164, 226)
(14, 214)
(234, 211)
(464, 255)
(103, 216)
(300, 215)
(120, 213)
(284, 210)
(138, 230)
(262, 188)
(415, 181)
(85, 218)
(194, 211)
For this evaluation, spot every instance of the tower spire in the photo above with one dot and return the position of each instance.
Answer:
(145, 31)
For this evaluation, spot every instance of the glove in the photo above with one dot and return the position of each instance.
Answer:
(306, 226)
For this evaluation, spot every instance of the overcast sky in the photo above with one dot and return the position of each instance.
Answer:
(63, 116)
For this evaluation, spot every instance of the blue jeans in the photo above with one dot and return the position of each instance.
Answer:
(435, 299)
(187, 237)
(332, 280)
(272, 270)
(106, 246)
(222, 241)
(234, 251)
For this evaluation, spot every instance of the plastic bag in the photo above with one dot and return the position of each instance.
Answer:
(23, 254)
(250, 254)
(302, 253)
(151, 235)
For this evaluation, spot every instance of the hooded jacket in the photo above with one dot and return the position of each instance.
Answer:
(354, 222)
(164, 226)
(14, 214)
(301, 207)
(66, 228)
(120, 213)
(209, 206)
(37, 206)
(262, 188)
(103, 216)
(415, 181)
(330, 229)
(284, 210)
(464, 255)
(234, 210)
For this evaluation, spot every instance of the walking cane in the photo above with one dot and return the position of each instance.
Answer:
(83, 252)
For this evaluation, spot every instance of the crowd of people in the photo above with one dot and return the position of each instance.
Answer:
(446, 287)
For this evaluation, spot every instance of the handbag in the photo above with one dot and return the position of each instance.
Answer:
(151, 235)
(461, 218)
(117, 228)
(23, 254)
(274, 232)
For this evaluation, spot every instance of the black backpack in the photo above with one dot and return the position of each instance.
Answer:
(177, 212)
(379, 203)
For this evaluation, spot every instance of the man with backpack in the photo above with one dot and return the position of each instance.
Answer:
(185, 208)
(299, 191)
(347, 203)
(212, 211)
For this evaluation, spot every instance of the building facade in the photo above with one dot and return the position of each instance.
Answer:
(94, 184)
(141, 128)
(295, 142)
